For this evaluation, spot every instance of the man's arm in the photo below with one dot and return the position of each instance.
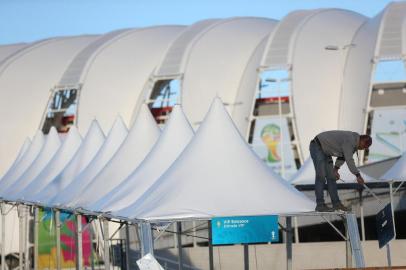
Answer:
(348, 155)
(339, 162)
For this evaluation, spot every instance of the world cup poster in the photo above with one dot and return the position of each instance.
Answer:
(271, 142)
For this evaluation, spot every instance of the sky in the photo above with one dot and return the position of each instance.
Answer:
(31, 20)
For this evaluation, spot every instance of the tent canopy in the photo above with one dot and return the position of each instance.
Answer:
(397, 172)
(217, 175)
(175, 136)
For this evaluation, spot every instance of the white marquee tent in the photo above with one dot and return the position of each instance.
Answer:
(55, 166)
(49, 149)
(91, 144)
(306, 175)
(175, 136)
(140, 139)
(397, 172)
(217, 175)
(116, 136)
(18, 168)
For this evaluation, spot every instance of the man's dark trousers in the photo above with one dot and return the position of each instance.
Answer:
(323, 166)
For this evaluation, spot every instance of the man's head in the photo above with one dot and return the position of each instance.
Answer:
(365, 142)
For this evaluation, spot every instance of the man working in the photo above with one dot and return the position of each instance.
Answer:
(340, 144)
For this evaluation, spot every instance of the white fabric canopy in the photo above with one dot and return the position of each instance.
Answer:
(91, 144)
(306, 175)
(140, 139)
(175, 136)
(217, 175)
(58, 162)
(23, 150)
(114, 139)
(49, 149)
(397, 172)
(24, 162)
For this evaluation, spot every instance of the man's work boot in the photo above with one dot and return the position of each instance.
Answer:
(322, 207)
(341, 207)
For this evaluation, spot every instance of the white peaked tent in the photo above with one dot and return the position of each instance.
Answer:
(91, 144)
(23, 150)
(217, 175)
(306, 175)
(114, 139)
(24, 162)
(175, 136)
(140, 139)
(55, 166)
(397, 172)
(49, 149)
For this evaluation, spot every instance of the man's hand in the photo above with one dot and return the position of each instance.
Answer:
(337, 175)
(360, 180)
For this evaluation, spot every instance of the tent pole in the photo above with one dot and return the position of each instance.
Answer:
(180, 254)
(36, 237)
(361, 209)
(392, 205)
(3, 236)
(21, 236)
(246, 257)
(127, 246)
(289, 240)
(296, 230)
(348, 253)
(79, 245)
(27, 240)
(388, 256)
(91, 233)
(106, 236)
(146, 238)
(211, 261)
(58, 238)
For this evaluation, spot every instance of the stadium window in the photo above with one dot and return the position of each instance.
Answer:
(164, 96)
(61, 110)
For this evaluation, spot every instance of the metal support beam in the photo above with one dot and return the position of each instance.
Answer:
(79, 244)
(211, 261)
(180, 253)
(36, 237)
(58, 239)
(361, 215)
(20, 212)
(127, 246)
(146, 239)
(296, 230)
(353, 235)
(348, 253)
(246, 257)
(3, 236)
(27, 265)
(289, 241)
(106, 239)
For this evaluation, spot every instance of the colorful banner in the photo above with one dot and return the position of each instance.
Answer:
(244, 230)
(388, 132)
(271, 142)
(47, 241)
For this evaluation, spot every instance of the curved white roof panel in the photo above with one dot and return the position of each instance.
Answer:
(217, 61)
(119, 72)
(25, 80)
(77, 69)
(357, 76)
(7, 50)
(279, 48)
(317, 72)
(392, 32)
(177, 54)
(397, 172)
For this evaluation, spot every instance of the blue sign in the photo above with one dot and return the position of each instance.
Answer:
(384, 226)
(244, 230)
